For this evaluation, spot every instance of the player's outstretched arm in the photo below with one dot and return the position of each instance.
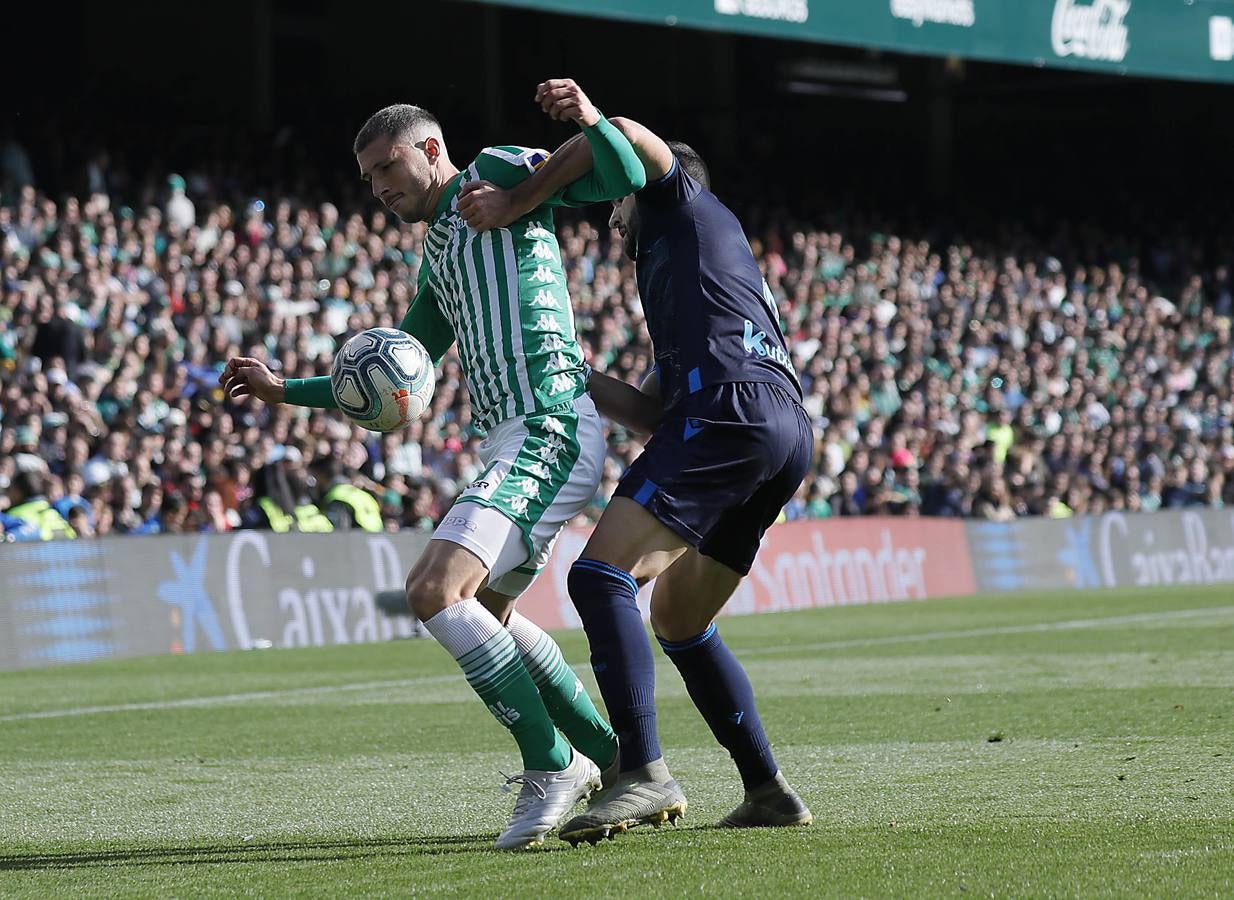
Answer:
(594, 167)
(638, 410)
(248, 377)
(245, 376)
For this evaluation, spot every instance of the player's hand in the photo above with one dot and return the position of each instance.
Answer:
(565, 101)
(484, 206)
(248, 377)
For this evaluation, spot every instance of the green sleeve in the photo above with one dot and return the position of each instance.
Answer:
(616, 169)
(506, 165)
(314, 392)
(423, 321)
(426, 324)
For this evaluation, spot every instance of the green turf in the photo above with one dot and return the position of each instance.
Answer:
(1062, 745)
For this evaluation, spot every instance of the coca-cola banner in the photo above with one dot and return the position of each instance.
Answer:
(1171, 38)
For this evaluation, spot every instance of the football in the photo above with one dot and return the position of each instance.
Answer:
(382, 379)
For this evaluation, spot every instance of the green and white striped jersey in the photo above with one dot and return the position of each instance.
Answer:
(502, 295)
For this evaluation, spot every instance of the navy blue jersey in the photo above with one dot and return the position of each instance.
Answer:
(711, 317)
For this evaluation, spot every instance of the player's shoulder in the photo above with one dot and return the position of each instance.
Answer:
(511, 155)
(675, 186)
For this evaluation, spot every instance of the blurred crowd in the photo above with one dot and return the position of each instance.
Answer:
(971, 377)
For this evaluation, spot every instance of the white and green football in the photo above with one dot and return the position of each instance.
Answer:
(382, 379)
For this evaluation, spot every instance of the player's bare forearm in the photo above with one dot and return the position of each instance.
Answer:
(656, 157)
(624, 403)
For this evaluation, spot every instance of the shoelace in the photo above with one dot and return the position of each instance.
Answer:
(526, 782)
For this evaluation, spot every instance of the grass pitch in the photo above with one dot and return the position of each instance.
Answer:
(1061, 744)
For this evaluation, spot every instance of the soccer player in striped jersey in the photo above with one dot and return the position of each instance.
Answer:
(501, 296)
(730, 445)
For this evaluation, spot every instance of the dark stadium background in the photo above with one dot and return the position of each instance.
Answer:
(281, 87)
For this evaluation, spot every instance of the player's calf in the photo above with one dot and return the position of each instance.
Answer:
(721, 690)
(565, 698)
(621, 657)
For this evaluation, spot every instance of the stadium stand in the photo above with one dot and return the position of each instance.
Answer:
(975, 377)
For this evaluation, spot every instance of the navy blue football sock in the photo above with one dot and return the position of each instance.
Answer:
(606, 599)
(721, 690)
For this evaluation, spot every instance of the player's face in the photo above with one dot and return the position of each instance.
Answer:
(401, 175)
(625, 220)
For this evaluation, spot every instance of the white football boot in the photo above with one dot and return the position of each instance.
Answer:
(545, 799)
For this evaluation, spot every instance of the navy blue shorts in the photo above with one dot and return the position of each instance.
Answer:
(721, 466)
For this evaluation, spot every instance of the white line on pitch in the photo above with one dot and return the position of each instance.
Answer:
(223, 699)
(925, 636)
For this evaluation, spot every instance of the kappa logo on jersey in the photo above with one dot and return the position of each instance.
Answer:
(540, 250)
(553, 424)
(560, 383)
(530, 487)
(518, 505)
(547, 322)
(545, 300)
(549, 453)
(540, 470)
(557, 362)
(542, 275)
(537, 231)
(551, 342)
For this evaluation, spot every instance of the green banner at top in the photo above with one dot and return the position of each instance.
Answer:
(1192, 39)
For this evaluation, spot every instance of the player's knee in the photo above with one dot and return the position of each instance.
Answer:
(591, 581)
(672, 622)
(428, 594)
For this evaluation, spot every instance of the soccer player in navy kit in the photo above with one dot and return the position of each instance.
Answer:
(730, 445)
